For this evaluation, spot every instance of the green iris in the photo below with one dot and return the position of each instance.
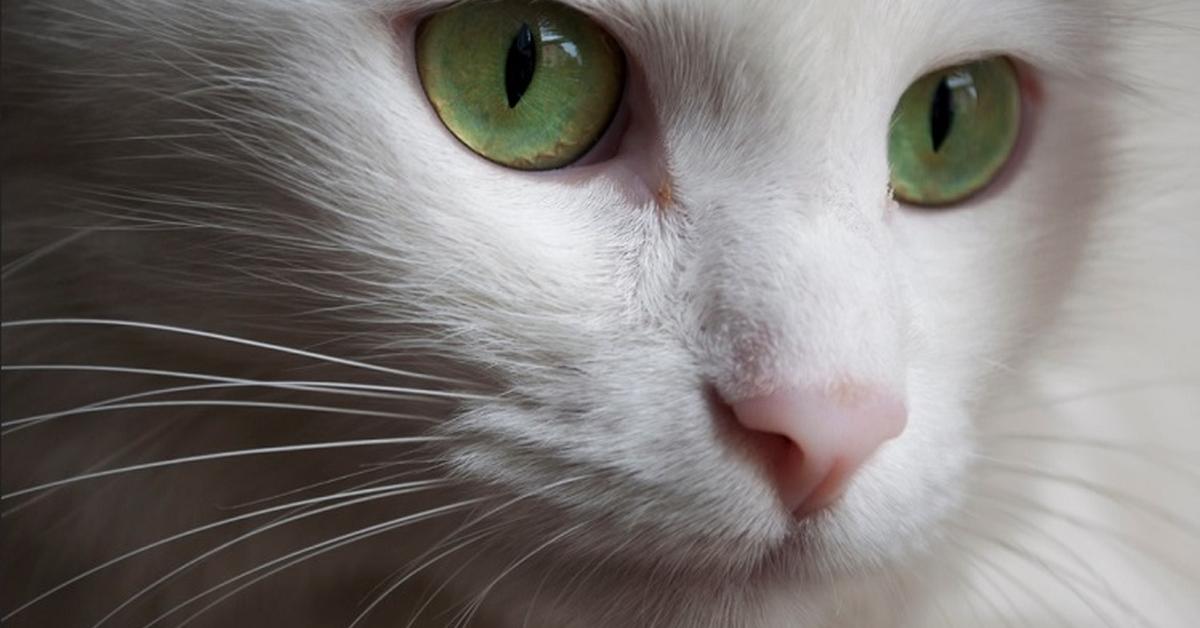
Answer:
(953, 130)
(529, 85)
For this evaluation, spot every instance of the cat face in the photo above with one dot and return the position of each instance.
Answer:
(741, 240)
(731, 238)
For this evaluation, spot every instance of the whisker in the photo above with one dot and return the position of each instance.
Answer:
(1021, 522)
(1143, 449)
(537, 592)
(471, 522)
(400, 392)
(1053, 570)
(970, 602)
(226, 338)
(576, 583)
(935, 601)
(471, 539)
(30, 421)
(255, 532)
(476, 520)
(339, 478)
(141, 439)
(362, 485)
(16, 265)
(474, 606)
(1030, 558)
(377, 492)
(1175, 459)
(990, 601)
(445, 582)
(1094, 394)
(1014, 501)
(301, 555)
(1025, 588)
(373, 442)
(1117, 497)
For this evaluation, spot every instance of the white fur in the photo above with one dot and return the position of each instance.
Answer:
(271, 170)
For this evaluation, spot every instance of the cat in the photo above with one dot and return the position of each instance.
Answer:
(280, 350)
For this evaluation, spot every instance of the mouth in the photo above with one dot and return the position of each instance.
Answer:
(802, 555)
(795, 562)
(730, 533)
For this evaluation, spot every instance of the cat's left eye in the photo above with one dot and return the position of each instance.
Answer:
(529, 85)
(953, 130)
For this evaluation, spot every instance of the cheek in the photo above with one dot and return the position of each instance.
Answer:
(987, 275)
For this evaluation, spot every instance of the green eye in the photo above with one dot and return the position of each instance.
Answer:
(953, 130)
(529, 85)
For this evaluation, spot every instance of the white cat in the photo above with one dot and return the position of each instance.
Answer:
(280, 350)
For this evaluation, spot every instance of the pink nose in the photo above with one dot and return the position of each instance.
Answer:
(828, 434)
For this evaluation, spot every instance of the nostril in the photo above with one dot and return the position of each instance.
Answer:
(819, 437)
(772, 451)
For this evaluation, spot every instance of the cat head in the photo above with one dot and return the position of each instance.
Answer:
(717, 345)
(727, 315)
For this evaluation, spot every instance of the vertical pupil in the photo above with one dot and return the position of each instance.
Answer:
(518, 68)
(941, 115)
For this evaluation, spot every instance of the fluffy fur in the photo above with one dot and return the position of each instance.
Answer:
(270, 171)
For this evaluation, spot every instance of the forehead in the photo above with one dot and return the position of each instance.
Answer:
(787, 76)
(803, 34)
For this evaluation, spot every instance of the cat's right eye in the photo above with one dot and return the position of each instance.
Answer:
(528, 85)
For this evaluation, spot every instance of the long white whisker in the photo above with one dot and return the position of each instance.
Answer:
(471, 539)
(373, 442)
(346, 476)
(400, 392)
(224, 403)
(16, 265)
(141, 439)
(988, 599)
(1085, 568)
(122, 403)
(1032, 593)
(226, 338)
(303, 554)
(1116, 497)
(432, 595)
(408, 486)
(476, 520)
(531, 605)
(364, 485)
(979, 559)
(1014, 501)
(462, 528)
(478, 601)
(1170, 459)
(255, 532)
(575, 582)
(1050, 569)
(1094, 394)
(1147, 449)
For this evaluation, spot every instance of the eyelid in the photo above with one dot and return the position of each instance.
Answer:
(962, 58)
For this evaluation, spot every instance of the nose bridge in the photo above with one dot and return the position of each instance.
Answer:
(783, 170)
(803, 325)
(800, 298)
